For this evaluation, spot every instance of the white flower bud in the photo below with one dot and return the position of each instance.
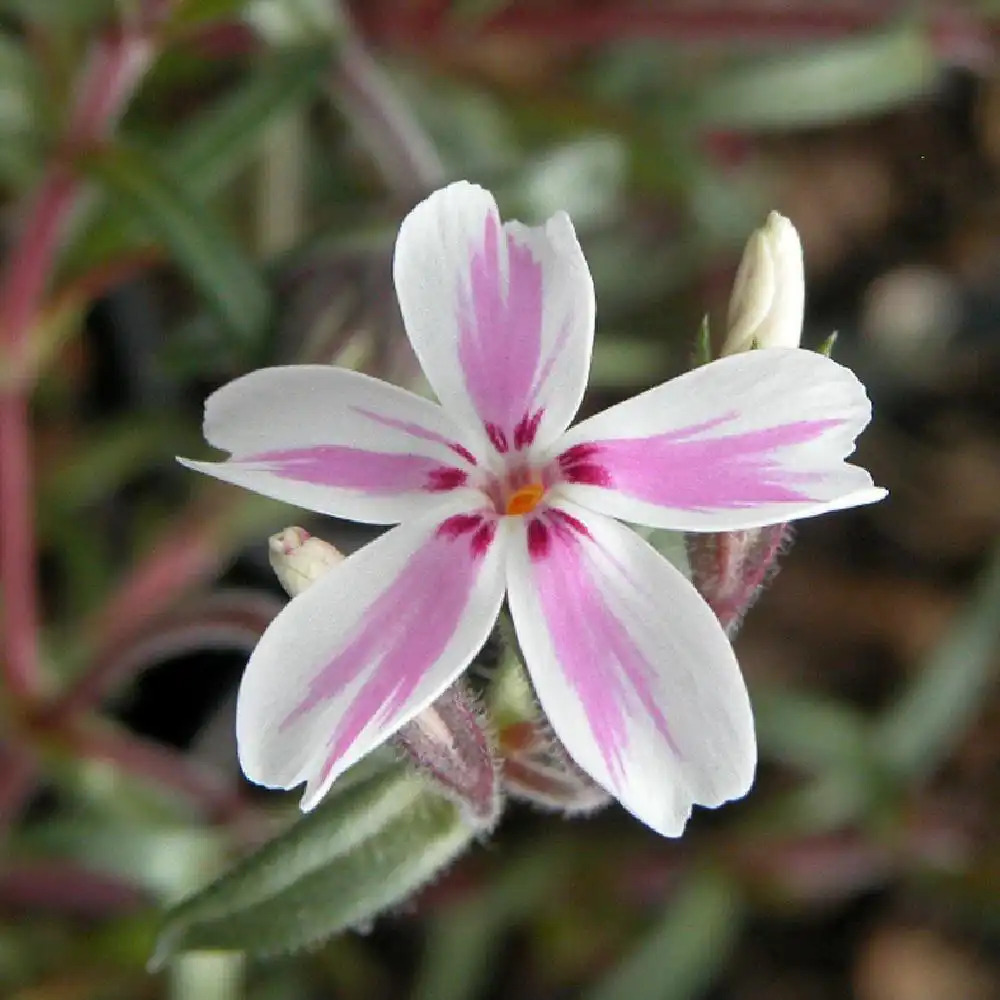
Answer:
(768, 300)
(300, 559)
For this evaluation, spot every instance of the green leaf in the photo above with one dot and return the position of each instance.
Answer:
(359, 852)
(932, 715)
(860, 76)
(199, 243)
(465, 940)
(216, 144)
(811, 732)
(294, 22)
(220, 141)
(685, 950)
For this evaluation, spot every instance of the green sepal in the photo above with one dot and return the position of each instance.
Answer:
(361, 851)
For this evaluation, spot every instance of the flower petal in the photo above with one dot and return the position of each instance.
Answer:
(335, 441)
(370, 645)
(753, 439)
(630, 665)
(501, 316)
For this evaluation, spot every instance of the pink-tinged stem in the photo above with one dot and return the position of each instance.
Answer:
(66, 888)
(574, 25)
(112, 70)
(402, 150)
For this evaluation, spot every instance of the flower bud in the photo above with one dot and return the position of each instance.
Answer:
(300, 559)
(768, 299)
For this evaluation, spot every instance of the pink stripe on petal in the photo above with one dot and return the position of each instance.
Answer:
(356, 468)
(598, 657)
(500, 331)
(408, 627)
(681, 470)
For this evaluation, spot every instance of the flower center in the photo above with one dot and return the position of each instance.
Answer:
(525, 499)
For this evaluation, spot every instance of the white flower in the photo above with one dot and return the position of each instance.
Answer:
(769, 291)
(497, 497)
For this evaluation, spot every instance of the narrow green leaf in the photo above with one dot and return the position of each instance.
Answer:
(811, 732)
(216, 144)
(361, 851)
(220, 141)
(702, 353)
(199, 243)
(465, 940)
(859, 76)
(826, 348)
(919, 731)
(685, 950)
(294, 23)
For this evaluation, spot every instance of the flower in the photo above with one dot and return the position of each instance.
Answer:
(495, 496)
(769, 292)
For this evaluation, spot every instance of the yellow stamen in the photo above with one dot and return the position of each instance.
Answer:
(525, 500)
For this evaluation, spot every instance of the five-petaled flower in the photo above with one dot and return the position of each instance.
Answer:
(495, 496)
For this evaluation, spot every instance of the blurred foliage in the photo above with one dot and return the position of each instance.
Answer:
(242, 212)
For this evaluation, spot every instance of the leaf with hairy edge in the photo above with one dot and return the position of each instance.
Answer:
(213, 260)
(362, 850)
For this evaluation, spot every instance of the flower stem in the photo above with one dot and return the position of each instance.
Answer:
(112, 70)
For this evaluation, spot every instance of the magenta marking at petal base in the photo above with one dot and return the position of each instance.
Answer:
(463, 453)
(538, 539)
(483, 538)
(527, 428)
(497, 438)
(578, 465)
(569, 520)
(444, 479)
(458, 525)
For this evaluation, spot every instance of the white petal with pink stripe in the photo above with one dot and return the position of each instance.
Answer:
(753, 439)
(337, 442)
(501, 315)
(630, 666)
(367, 647)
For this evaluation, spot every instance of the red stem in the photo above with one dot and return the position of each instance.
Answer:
(111, 73)
(580, 25)
(64, 887)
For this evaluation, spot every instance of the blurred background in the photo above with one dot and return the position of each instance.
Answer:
(195, 188)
